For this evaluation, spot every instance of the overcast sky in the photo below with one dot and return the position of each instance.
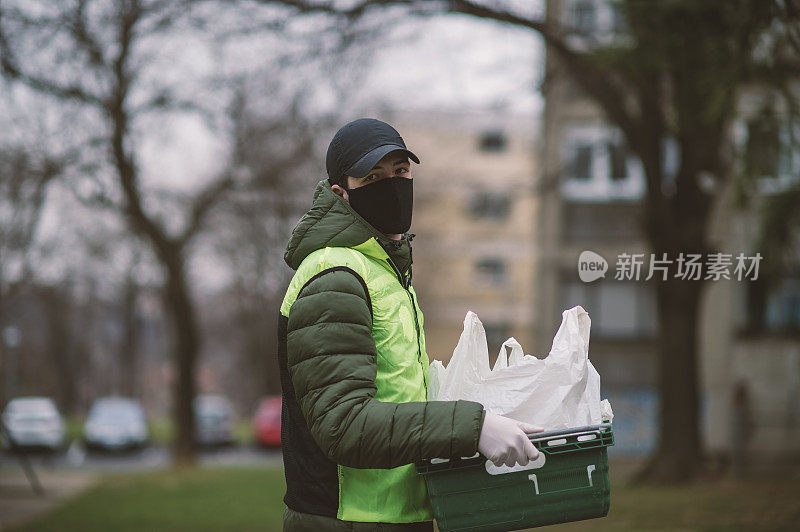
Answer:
(459, 62)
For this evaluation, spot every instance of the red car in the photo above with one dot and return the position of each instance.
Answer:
(267, 422)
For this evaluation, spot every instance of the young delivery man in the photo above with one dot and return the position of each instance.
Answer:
(352, 354)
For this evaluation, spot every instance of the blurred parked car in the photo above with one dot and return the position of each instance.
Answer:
(267, 422)
(34, 422)
(214, 420)
(115, 423)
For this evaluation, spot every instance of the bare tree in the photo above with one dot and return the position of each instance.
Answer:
(24, 178)
(111, 61)
(103, 49)
(279, 154)
(106, 54)
(128, 377)
(58, 309)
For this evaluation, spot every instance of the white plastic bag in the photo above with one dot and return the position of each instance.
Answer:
(559, 391)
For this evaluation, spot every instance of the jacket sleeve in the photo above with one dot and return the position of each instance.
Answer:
(331, 358)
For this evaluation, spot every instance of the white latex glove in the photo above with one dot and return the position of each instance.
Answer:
(505, 441)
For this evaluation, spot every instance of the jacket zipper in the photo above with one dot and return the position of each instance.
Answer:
(405, 282)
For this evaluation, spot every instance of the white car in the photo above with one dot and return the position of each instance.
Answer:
(34, 422)
(115, 423)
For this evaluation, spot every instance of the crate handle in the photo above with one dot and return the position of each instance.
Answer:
(589, 470)
(566, 433)
(569, 440)
(503, 469)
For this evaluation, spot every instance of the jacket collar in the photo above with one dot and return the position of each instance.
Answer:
(332, 222)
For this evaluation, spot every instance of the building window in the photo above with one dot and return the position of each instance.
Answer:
(581, 163)
(584, 16)
(493, 141)
(598, 166)
(491, 271)
(490, 205)
(617, 161)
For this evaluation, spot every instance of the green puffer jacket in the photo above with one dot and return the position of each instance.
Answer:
(353, 373)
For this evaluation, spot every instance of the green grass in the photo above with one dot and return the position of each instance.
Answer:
(250, 499)
(73, 428)
(244, 432)
(194, 499)
(763, 504)
(161, 430)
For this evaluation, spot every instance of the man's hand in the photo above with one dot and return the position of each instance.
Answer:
(505, 441)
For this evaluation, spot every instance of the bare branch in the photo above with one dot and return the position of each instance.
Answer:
(162, 15)
(204, 202)
(12, 68)
(165, 100)
(24, 179)
(610, 94)
(84, 38)
(98, 200)
(330, 8)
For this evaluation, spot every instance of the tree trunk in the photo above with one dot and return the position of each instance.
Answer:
(61, 346)
(679, 452)
(128, 377)
(677, 225)
(178, 306)
(170, 253)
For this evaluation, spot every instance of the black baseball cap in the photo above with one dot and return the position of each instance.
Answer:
(358, 146)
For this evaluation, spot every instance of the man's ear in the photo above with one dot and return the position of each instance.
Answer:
(339, 191)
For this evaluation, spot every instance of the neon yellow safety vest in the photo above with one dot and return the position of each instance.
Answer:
(380, 495)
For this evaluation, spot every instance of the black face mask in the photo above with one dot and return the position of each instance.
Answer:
(385, 204)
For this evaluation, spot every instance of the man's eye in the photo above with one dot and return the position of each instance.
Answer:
(370, 177)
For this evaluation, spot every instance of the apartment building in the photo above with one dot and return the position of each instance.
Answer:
(591, 201)
(475, 220)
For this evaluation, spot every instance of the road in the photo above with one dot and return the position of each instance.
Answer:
(149, 458)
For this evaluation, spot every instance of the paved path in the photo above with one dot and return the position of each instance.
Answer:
(19, 503)
(65, 475)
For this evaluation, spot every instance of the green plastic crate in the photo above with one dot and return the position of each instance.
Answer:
(568, 482)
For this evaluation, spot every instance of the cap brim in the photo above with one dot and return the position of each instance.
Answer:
(368, 161)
